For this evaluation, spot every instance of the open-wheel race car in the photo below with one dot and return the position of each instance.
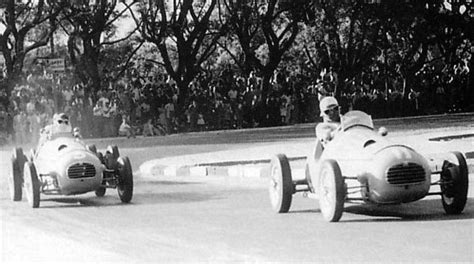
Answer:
(67, 166)
(361, 164)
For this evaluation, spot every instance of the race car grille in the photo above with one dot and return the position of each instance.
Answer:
(81, 170)
(406, 174)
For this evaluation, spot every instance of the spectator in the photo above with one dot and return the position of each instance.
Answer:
(34, 127)
(98, 119)
(413, 99)
(20, 127)
(31, 106)
(150, 130)
(169, 115)
(192, 113)
(125, 129)
(67, 95)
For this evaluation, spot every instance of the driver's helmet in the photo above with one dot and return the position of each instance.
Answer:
(61, 124)
(61, 119)
(327, 103)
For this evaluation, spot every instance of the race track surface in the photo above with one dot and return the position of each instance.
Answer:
(219, 219)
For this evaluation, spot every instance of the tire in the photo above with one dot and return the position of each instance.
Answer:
(454, 184)
(32, 185)
(331, 191)
(16, 176)
(110, 157)
(32, 155)
(281, 186)
(114, 151)
(19, 155)
(100, 192)
(15, 181)
(109, 161)
(307, 174)
(125, 179)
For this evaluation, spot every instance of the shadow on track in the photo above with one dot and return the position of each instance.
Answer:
(74, 202)
(138, 199)
(173, 197)
(423, 210)
(154, 182)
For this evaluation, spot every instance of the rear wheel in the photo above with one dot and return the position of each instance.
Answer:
(125, 179)
(454, 184)
(281, 187)
(32, 185)
(331, 191)
(15, 180)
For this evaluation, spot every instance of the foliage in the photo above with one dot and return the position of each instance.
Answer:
(386, 39)
(90, 27)
(265, 30)
(184, 35)
(27, 26)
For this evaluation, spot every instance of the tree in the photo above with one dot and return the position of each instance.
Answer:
(424, 33)
(244, 25)
(91, 25)
(184, 34)
(27, 28)
(270, 26)
(347, 36)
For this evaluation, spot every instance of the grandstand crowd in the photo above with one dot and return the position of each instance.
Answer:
(148, 106)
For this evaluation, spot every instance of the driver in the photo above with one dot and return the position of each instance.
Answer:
(59, 127)
(330, 112)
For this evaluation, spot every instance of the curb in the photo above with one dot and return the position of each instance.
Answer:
(251, 169)
(245, 169)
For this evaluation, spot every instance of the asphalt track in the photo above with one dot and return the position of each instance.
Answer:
(222, 219)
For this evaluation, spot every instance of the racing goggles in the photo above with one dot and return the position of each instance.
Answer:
(335, 108)
(63, 122)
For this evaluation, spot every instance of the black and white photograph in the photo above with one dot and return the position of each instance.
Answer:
(236, 131)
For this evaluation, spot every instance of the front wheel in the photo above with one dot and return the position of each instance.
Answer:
(331, 191)
(114, 151)
(454, 184)
(281, 187)
(125, 179)
(110, 157)
(15, 180)
(32, 185)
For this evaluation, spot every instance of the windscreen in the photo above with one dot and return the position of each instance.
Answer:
(356, 118)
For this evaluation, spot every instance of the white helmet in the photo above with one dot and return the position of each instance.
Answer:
(61, 118)
(327, 103)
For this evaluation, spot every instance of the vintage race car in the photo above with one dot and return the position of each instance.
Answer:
(361, 164)
(67, 166)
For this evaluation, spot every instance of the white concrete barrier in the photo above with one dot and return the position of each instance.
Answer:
(252, 171)
(198, 171)
(170, 171)
(235, 171)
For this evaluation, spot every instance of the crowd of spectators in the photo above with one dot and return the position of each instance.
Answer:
(148, 106)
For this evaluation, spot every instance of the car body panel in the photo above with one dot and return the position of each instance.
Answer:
(387, 172)
(66, 165)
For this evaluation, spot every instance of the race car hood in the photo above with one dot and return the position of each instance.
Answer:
(357, 142)
(54, 154)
